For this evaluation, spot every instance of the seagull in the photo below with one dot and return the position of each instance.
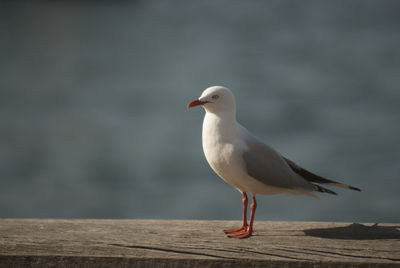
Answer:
(245, 162)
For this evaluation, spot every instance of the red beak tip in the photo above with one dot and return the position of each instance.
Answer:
(194, 103)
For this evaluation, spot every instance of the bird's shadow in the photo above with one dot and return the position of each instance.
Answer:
(356, 231)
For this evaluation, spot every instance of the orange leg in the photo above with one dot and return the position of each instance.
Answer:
(248, 231)
(244, 225)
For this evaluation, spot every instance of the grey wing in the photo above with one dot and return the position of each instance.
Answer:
(267, 170)
(267, 166)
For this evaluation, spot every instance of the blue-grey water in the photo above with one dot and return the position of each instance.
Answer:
(93, 95)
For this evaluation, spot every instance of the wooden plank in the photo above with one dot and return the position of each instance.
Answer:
(158, 243)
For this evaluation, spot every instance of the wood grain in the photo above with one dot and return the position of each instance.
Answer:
(166, 243)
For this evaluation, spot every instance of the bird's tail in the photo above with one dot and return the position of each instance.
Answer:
(322, 189)
(311, 177)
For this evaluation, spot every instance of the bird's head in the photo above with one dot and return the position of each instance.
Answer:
(216, 99)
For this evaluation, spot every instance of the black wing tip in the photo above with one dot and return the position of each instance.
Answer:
(354, 188)
(311, 177)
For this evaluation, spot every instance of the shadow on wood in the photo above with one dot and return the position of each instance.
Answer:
(356, 231)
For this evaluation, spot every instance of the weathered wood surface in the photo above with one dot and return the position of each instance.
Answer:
(164, 243)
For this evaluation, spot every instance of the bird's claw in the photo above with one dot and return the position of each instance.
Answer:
(241, 235)
(235, 230)
(242, 232)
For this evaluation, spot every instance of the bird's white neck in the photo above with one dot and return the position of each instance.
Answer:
(219, 127)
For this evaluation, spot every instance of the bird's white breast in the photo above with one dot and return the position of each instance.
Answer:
(221, 149)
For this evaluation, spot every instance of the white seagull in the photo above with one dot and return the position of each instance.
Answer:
(245, 162)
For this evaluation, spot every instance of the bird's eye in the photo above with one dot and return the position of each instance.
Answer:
(214, 97)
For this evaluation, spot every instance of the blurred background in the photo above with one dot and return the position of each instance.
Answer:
(93, 95)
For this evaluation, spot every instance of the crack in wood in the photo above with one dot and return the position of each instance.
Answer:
(172, 251)
(243, 250)
(276, 255)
